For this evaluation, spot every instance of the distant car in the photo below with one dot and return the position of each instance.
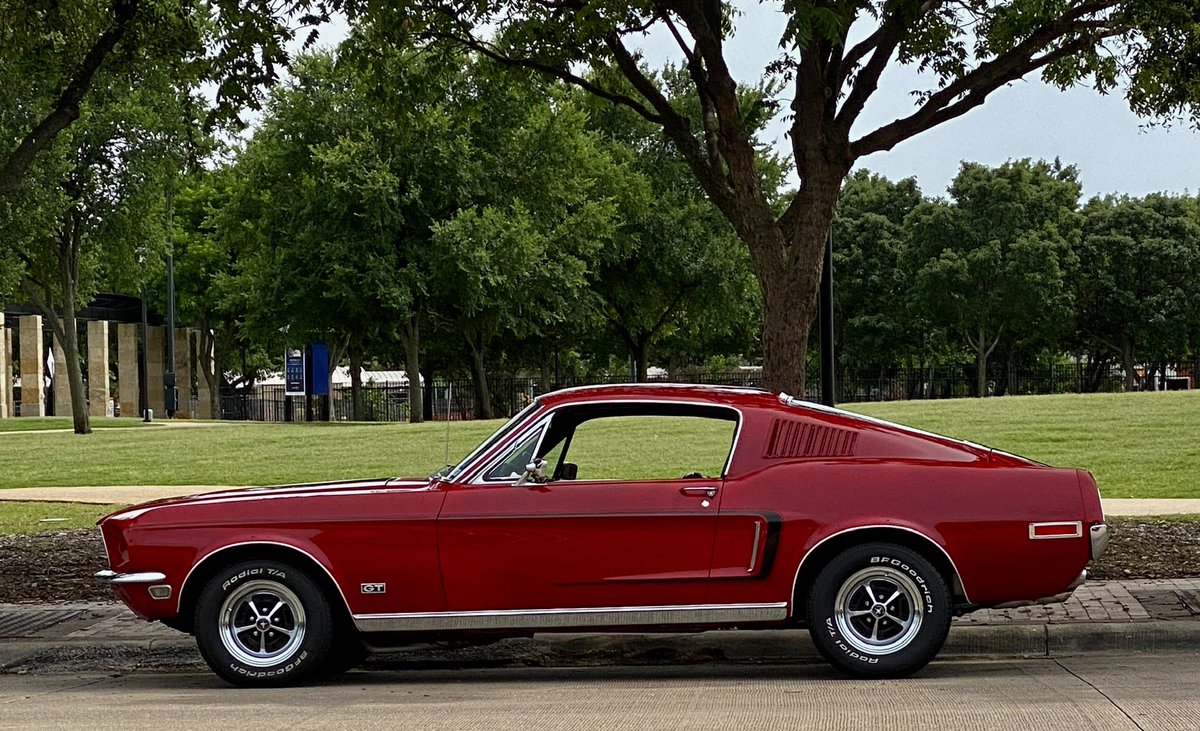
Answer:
(620, 508)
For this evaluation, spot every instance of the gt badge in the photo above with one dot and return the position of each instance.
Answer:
(374, 588)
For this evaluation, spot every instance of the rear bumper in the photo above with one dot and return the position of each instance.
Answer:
(1099, 537)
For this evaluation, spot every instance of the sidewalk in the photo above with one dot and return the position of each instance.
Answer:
(132, 494)
(1110, 617)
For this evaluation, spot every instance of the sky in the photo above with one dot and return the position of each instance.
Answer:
(1115, 150)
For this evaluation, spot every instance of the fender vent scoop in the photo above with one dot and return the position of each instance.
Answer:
(795, 438)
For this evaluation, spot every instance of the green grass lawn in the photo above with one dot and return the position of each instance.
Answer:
(1140, 445)
(64, 422)
(1137, 445)
(22, 517)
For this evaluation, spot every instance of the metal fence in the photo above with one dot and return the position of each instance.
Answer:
(454, 398)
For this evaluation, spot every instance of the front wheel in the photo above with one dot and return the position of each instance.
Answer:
(879, 610)
(263, 623)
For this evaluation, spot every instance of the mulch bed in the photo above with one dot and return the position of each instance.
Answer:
(58, 566)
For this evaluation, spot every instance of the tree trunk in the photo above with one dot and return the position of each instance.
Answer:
(981, 358)
(787, 319)
(66, 331)
(208, 362)
(1127, 365)
(412, 352)
(483, 397)
(787, 262)
(641, 355)
(356, 392)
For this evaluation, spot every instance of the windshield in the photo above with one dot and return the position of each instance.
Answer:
(491, 441)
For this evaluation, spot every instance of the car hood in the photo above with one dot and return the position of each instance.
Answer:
(313, 489)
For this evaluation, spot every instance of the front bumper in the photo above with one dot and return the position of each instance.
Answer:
(108, 576)
(157, 589)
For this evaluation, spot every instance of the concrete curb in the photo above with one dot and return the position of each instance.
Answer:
(733, 647)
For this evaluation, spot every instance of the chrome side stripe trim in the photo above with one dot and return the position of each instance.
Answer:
(754, 550)
(562, 618)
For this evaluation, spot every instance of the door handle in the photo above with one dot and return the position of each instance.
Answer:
(698, 491)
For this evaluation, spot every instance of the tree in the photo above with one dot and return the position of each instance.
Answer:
(673, 260)
(332, 185)
(56, 56)
(832, 58)
(1136, 294)
(995, 260)
(208, 289)
(875, 323)
(538, 209)
(99, 192)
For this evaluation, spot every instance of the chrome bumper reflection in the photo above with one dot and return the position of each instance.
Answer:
(109, 576)
(1099, 536)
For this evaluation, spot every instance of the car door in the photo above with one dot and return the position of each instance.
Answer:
(586, 544)
(591, 542)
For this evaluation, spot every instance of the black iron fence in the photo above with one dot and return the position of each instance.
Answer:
(455, 398)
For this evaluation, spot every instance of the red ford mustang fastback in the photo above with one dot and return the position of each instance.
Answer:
(647, 508)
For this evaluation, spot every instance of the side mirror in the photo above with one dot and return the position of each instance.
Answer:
(535, 472)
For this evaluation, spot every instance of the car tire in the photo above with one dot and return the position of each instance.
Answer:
(879, 611)
(263, 623)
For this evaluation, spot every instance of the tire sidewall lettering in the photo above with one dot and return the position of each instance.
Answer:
(249, 573)
(922, 584)
(269, 673)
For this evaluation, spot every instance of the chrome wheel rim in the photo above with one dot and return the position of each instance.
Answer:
(879, 610)
(262, 623)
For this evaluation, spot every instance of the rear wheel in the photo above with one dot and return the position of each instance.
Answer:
(879, 610)
(261, 623)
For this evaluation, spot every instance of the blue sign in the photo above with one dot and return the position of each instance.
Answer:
(293, 373)
(319, 365)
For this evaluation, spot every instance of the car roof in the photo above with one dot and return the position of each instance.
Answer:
(701, 393)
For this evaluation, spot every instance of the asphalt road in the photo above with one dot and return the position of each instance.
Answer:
(1094, 691)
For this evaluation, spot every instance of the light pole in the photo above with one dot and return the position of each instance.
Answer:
(826, 317)
(171, 394)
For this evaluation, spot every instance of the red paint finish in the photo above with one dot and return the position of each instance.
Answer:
(578, 544)
(800, 479)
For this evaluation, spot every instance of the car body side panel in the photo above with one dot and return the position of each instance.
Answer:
(576, 544)
(381, 538)
(979, 514)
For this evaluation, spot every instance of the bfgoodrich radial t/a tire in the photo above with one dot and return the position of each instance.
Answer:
(879, 610)
(263, 623)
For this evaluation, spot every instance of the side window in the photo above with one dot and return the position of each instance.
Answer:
(513, 464)
(651, 447)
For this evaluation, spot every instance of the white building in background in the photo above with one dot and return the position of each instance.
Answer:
(341, 378)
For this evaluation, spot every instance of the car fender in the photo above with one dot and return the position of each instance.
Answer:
(310, 550)
(927, 537)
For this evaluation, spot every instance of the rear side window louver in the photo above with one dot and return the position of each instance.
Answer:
(794, 438)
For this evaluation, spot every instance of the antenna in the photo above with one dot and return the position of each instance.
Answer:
(449, 395)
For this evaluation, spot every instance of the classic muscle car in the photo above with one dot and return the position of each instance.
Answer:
(630, 508)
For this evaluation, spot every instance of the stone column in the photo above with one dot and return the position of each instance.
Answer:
(5, 381)
(97, 349)
(155, 360)
(62, 381)
(183, 371)
(128, 385)
(204, 365)
(31, 366)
